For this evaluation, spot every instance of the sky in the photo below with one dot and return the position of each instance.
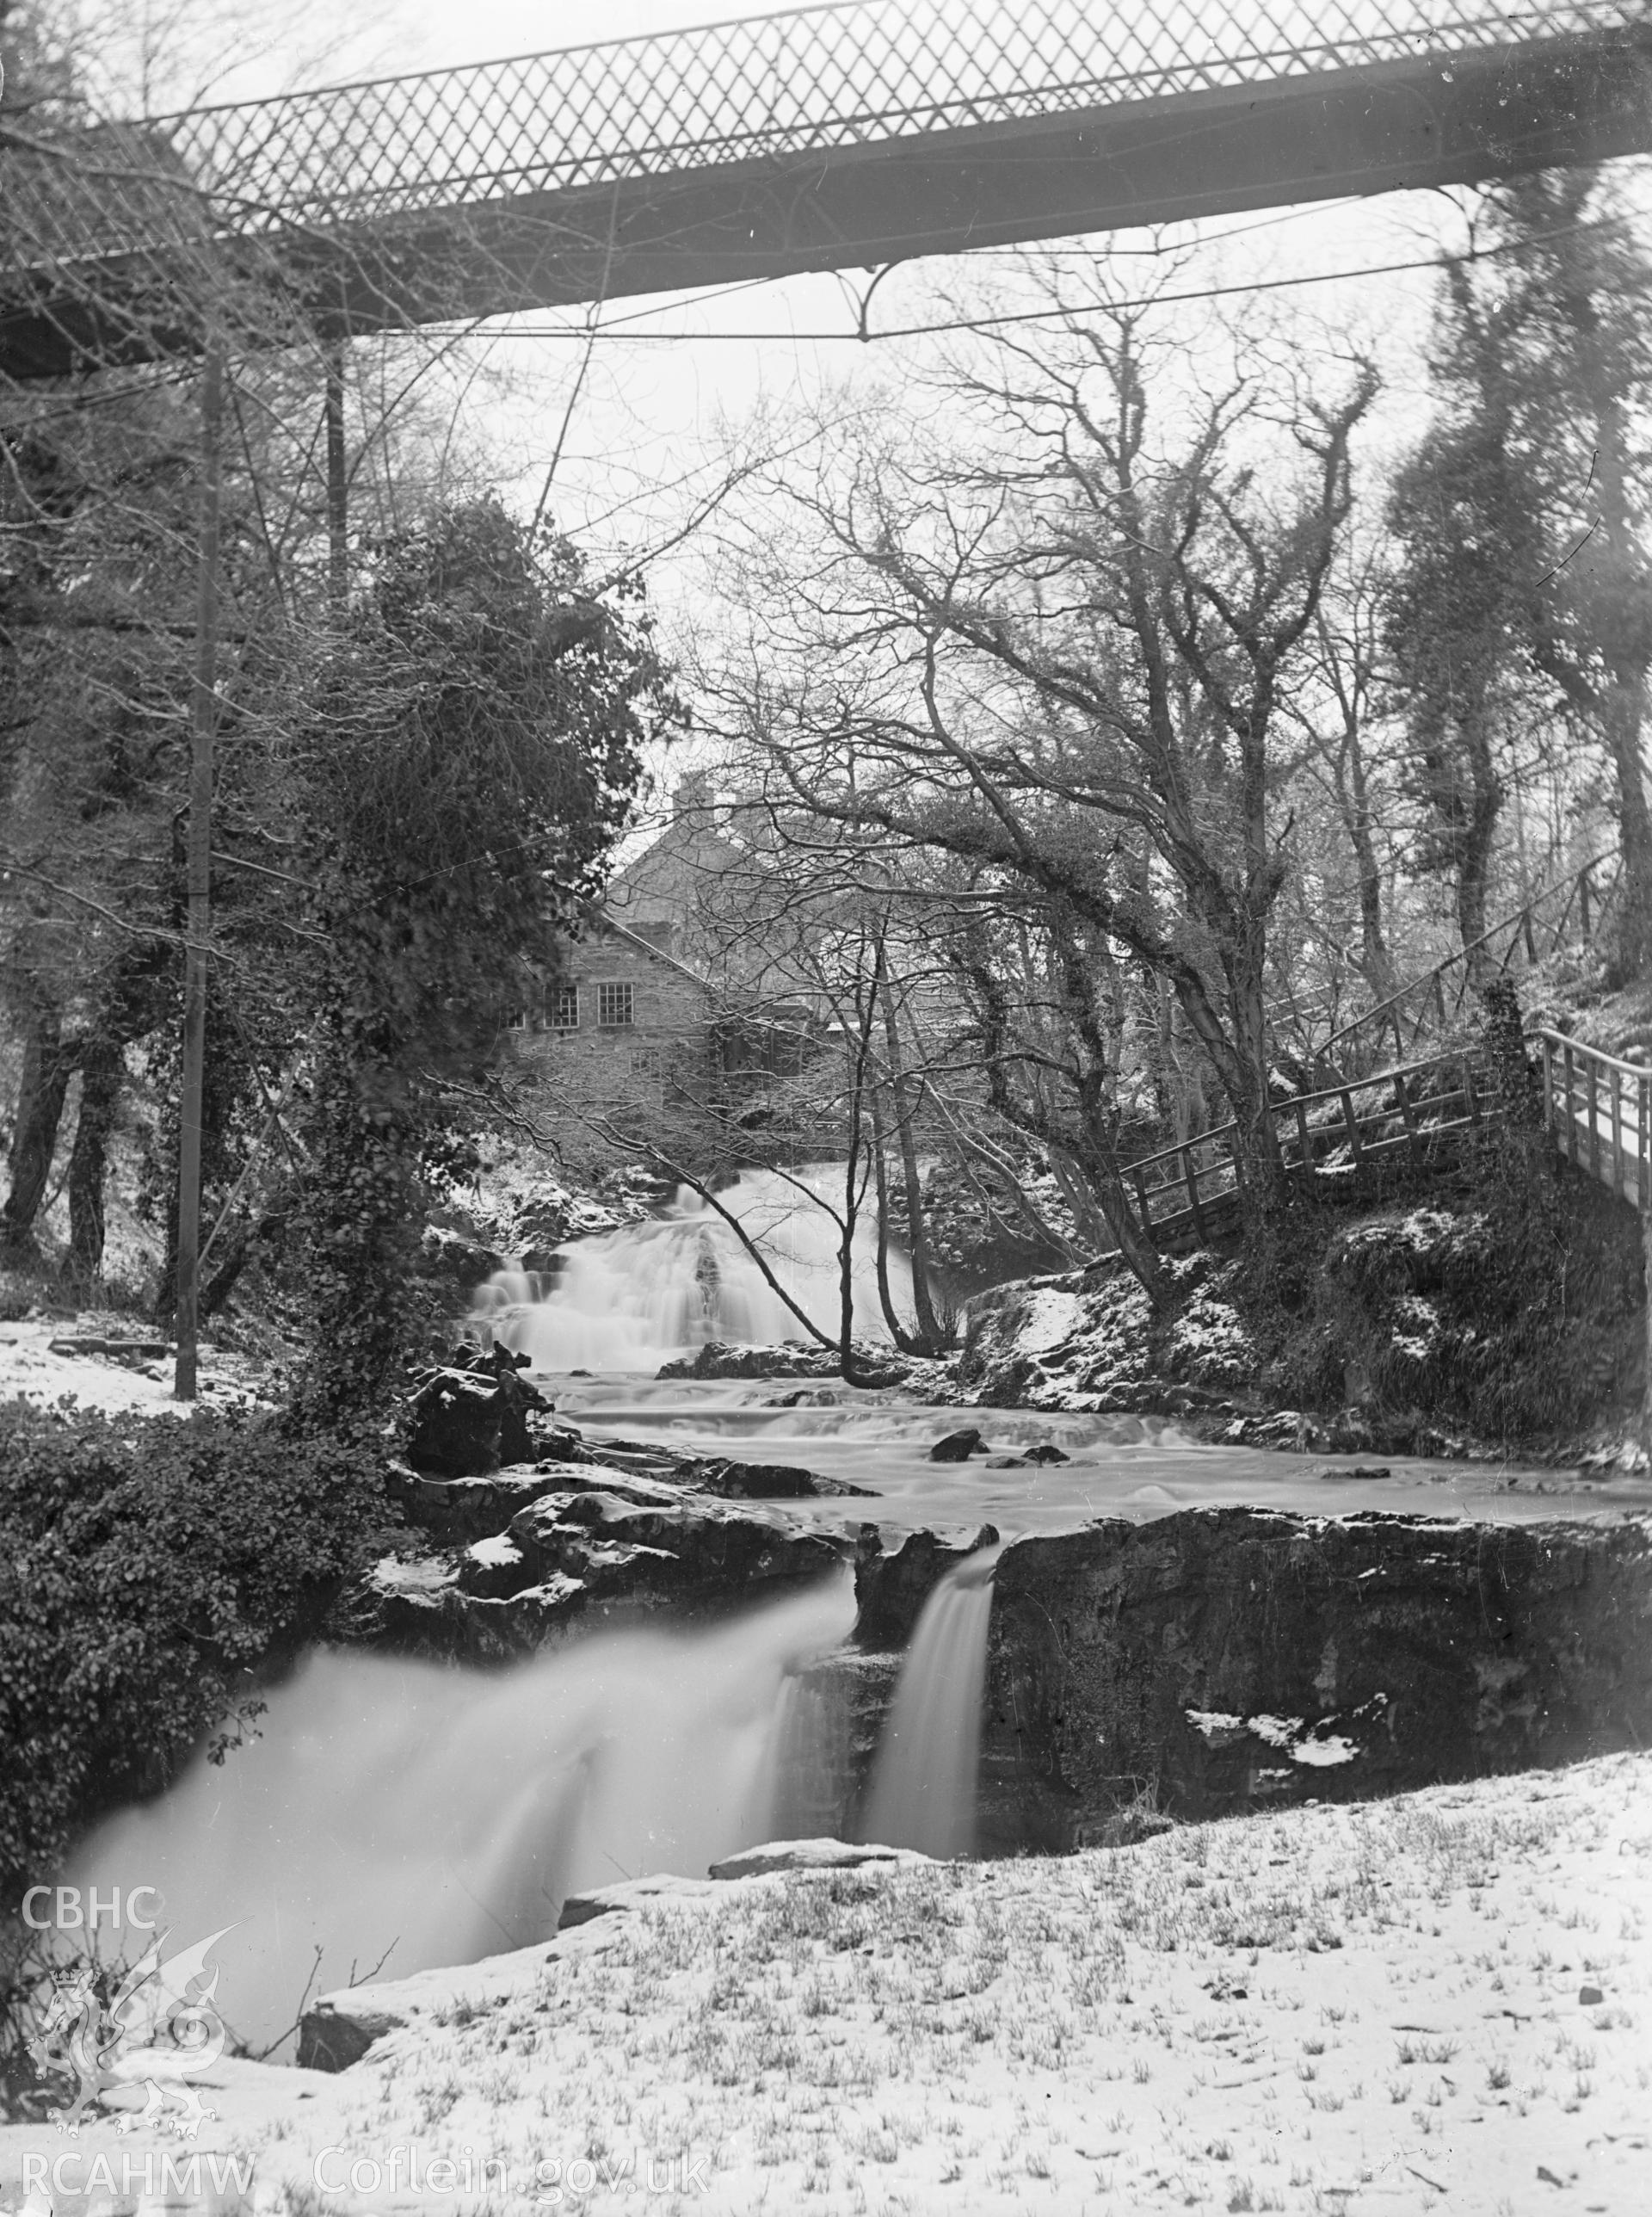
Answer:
(639, 420)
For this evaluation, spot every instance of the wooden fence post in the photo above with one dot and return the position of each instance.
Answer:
(1619, 1175)
(1571, 1120)
(1352, 1123)
(1414, 1145)
(1190, 1179)
(1147, 1214)
(1592, 1101)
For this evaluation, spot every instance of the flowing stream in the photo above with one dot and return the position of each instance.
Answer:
(421, 1815)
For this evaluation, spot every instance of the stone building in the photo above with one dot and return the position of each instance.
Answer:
(666, 1002)
(627, 1033)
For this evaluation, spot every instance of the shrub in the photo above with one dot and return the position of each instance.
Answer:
(152, 1568)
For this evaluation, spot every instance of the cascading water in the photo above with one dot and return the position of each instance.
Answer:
(923, 1784)
(631, 1300)
(442, 1815)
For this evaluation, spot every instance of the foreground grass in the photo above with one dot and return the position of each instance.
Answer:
(1438, 2001)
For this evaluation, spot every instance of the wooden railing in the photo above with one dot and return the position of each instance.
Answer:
(1324, 1135)
(1431, 1001)
(1600, 1110)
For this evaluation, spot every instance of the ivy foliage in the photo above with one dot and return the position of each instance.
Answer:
(468, 754)
(151, 1567)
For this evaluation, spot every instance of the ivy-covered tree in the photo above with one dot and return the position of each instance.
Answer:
(463, 760)
(1524, 514)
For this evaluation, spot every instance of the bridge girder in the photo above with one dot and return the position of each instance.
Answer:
(1419, 123)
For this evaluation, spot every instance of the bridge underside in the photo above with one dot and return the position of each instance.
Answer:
(1430, 122)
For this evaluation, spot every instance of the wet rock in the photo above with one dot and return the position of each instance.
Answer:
(697, 1547)
(469, 1414)
(1242, 1656)
(889, 1590)
(1047, 1451)
(957, 1446)
(453, 1259)
(766, 1481)
(1010, 1462)
(484, 1628)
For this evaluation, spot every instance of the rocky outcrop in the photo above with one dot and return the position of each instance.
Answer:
(470, 1414)
(891, 1589)
(528, 1551)
(1220, 1660)
(766, 1481)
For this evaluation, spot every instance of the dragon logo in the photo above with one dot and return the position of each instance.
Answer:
(159, 2029)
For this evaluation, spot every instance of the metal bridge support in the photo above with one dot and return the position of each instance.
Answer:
(203, 722)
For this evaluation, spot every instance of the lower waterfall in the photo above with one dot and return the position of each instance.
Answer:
(924, 1785)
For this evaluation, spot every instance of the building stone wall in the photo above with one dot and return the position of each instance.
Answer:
(634, 1073)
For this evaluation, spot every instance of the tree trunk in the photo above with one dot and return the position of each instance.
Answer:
(1623, 716)
(48, 1064)
(924, 1305)
(103, 1073)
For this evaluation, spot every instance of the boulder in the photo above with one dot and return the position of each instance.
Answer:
(452, 1258)
(469, 1414)
(957, 1446)
(1244, 1658)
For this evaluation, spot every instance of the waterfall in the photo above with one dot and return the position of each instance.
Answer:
(633, 1299)
(923, 1783)
(443, 1814)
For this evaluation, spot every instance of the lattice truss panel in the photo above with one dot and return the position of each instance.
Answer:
(817, 79)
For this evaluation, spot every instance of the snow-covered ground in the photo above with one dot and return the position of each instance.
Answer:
(1442, 2001)
(29, 1368)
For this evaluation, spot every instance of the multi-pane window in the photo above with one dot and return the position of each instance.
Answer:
(613, 1006)
(562, 1008)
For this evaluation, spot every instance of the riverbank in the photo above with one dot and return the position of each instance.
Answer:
(1436, 2000)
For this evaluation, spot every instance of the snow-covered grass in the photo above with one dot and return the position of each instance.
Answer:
(30, 1368)
(1437, 2001)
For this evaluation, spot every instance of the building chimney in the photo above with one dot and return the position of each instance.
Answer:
(693, 795)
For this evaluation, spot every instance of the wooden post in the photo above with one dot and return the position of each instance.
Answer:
(1469, 1093)
(1643, 1143)
(1571, 1117)
(1547, 1087)
(1352, 1123)
(1141, 1194)
(1583, 897)
(1414, 1143)
(1307, 1139)
(1190, 1179)
(1591, 1102)
(1619, 1176)
(203, 718)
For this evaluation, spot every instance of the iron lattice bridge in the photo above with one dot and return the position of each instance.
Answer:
(831, 137)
